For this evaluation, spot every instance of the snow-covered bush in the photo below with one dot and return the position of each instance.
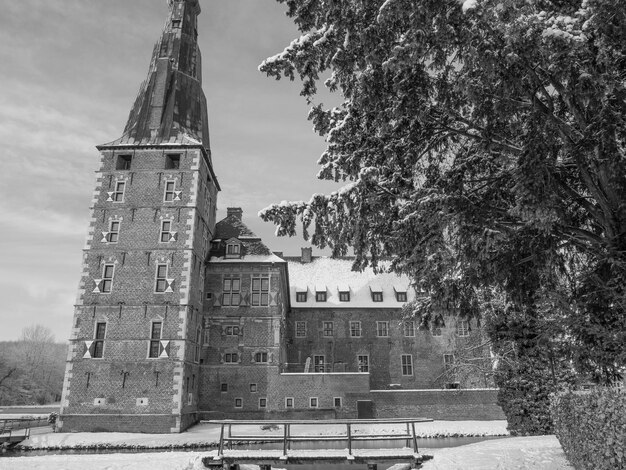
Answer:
(591, 427)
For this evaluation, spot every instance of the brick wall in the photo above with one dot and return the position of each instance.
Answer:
(474, 404)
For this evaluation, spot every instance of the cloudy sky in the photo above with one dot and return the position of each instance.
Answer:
(70, 71)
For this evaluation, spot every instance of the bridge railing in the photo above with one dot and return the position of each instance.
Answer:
(227, 438)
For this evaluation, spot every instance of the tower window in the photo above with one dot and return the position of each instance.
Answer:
(172, 162)
(118, 194)
(161, 278)
(107, 278)
(170, 187)
(98, 344)
(114, 232)
(123, 162)
(155, 339)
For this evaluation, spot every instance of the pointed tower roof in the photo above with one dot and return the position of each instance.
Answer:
(170, 108)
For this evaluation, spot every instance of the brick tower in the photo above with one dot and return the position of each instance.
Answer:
(133, 362)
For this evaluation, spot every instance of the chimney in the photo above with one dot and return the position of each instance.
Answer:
(235, 212)
(307, 255)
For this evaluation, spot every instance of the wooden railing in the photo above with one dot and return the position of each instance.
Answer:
(287, 437)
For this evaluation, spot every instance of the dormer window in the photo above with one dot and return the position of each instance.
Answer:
(233, 249)
(301, 295)
(377, 293)
(320, 293)
(344, 293)
(400, 294)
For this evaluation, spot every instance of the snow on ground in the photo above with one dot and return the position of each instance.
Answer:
(517, 453)
(206, 434)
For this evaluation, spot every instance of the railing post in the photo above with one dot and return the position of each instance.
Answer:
(414, 438)
(285, 439)
(230, 443)
(408, 433)
(349, 431)
(220, 451)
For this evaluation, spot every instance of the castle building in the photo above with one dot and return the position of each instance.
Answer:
(179, 317)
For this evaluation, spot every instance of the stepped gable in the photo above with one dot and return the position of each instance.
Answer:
(233, 228)
(170, 108)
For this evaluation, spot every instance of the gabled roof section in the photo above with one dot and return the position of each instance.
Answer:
(232, 227)
(170, 108)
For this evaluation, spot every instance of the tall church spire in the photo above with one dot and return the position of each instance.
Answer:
(171, 107)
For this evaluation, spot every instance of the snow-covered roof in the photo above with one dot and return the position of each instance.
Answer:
(336, 275)
(271, 258)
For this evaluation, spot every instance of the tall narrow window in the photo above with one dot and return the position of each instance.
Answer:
(363, 363)
(313, 402)
(118, 194)
(300, 329)
(107, 278)
(407, 364)
(98, 344)
(260, 290)
(318, 364)
(409, 328)
(166, 234)
(155, 339)
(172, 162)
(161, 278)
(114, 231)
(170, 187)
(198, 339)
(231, 291)
(382, 328)
(355, 329)
(328, 328)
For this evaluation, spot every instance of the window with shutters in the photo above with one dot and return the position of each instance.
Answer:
(155, 339)
(162, 284)
(407, 364)
(98, 344)
(231, 291)
(118, 194)
(107, 278)
(260, 291)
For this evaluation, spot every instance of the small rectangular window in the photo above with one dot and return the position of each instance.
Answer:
(253, 388)
(260, 291)
(224, 387)
(166, 228)
(118, 194)
(401, 296)
(114, 231)
(233, 250)
(377, 296)
(313, 402)
(238, 402)
(123, 162)
(448, 360)
(172, 162)
(337, 402)
(344, 296)
(320, 296)
(301, 296)
(328, 328)
(231, 330)
(300, 329)
(407, 364)
(260, 357)
(107, 278)
(161, 284)
(288, 402)
(409, 328)
(170, 188)
(462, 328)
(363, 363)
(155, 339)
(262, 402)
(98, 344)
(231, 358)
(382, 328)
(355, 329)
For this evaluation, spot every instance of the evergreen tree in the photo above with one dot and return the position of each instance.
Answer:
(483, 146)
